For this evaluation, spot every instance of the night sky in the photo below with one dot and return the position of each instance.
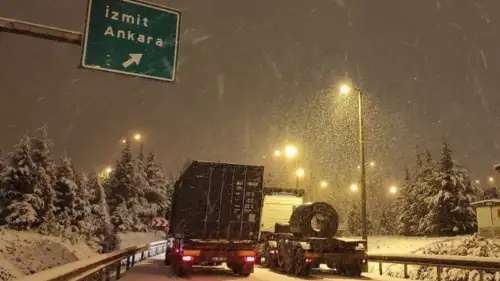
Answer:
(255, 74)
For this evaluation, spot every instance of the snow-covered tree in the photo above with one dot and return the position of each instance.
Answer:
(45, 174)
(83, 220)
(401, 213)
(125, 195)
(3, 186)
(449, 211)
(387, 223)
(354, 221)
(160, 192)
(22, 193)
(66, 194)
(98, 201)
(147, 210)
(491, 193)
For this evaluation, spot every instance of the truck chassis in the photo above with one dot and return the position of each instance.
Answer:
(182, 255)
(289, 254)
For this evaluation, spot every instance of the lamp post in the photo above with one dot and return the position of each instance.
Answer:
(346, 89)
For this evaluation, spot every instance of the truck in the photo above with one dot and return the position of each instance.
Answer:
(296, 237)
(215, 217)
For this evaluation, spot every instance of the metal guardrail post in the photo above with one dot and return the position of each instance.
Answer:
(118, 269)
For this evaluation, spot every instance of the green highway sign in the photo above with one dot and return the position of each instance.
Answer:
(132, 38)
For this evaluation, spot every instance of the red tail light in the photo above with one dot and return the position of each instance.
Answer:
(187, 258)
(249, 259)
(309, 260)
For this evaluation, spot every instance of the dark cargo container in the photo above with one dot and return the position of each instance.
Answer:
(217, 201)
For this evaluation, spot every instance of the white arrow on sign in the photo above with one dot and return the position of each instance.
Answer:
(134, 58)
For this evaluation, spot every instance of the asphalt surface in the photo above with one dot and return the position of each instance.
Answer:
(154, 270)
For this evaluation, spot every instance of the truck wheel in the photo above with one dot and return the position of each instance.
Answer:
(350, 270)
(180, 269)
(243, 270)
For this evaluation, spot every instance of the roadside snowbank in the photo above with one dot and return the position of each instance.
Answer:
(23, 253)
(462, 246)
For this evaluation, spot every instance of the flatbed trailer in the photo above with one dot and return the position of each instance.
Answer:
(215, 217)
(285, 249)
(286, 253)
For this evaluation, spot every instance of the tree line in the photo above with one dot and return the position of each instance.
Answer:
(434, 200)
(52, 197)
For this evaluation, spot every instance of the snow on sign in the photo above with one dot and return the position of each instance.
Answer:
(132, 38)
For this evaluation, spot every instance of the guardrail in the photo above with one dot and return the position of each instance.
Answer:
(107, 267)
(481, 264)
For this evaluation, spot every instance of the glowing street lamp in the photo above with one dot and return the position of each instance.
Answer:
(277, 153)
(354, 187)
(124, 141)
(291, 151)
(491, 179)
(323, 184)
(300, 173)
(137, 137)
(372, 164)
(346, 89)
(393, 190)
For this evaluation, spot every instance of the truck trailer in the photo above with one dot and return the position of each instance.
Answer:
(215, 217)
(297, 237)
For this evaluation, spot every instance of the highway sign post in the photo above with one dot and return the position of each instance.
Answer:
(132, 38)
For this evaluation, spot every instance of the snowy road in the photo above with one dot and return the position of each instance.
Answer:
(154, 270)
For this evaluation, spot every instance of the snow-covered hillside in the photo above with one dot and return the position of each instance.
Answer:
(23, 253)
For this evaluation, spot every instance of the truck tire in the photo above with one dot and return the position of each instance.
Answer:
(243, 270)
(180, 269)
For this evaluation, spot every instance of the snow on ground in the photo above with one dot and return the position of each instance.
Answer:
(23, 253)
(456, 246)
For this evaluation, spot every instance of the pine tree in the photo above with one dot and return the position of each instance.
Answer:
(98, 200)
(160, 189)
(491, 193)
(146, 210)
(400, 206)
(387, 221)
(45, 173)
(124, 194)
(449, 210)
(24, 197)
(3, 186)
(66, 194)
(99, 208)
(83, 220)
(354, 221)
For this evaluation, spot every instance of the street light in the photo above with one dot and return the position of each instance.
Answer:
(491, 179)
(354, 187)
(372, 164)
(346, 89)
(124, 141)
(393, 190)
(291, 151)
(277, 153)
(299, 173)
(323, 184)
(137, 137)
